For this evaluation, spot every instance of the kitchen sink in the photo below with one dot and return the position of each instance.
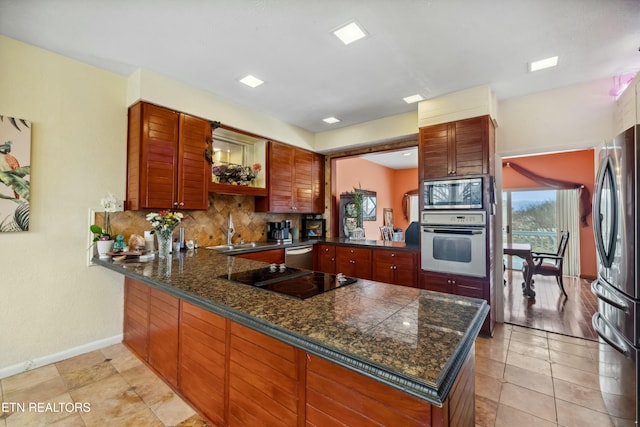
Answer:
(224, 248)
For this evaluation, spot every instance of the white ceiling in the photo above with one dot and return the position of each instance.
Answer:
(430, 47)
(399, 159)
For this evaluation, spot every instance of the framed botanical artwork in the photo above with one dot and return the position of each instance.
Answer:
(15, 174)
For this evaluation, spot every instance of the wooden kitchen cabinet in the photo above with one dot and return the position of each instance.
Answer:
(163, 334)
(325, 258)
(457, 148)
(463, 286)
(136, 317)
(235, 375)
(202, 360)
(265, 378)
(272, 256)
(166, 167)
(353, 262)
(396, 267)
(451, 284)
(293, 178)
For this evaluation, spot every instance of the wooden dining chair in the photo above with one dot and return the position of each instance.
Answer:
(551, 268)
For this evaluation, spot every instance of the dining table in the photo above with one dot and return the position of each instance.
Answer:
(522, 250)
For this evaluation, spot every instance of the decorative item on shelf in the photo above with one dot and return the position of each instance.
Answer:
(163, 224)
(208, 152)
(102, 236)
(102, 240)
(230, 173)
(119, 245)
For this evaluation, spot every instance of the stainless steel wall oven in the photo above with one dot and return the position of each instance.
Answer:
(454, 242)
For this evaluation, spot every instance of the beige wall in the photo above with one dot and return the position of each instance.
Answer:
(575, 117)
(51, 300)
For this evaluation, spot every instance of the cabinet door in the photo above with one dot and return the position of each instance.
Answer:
(325, 256)
(354, 262)
(397, 267)
(280, 180)
(264, 380)
(436, 282)
(272, 256)
(163, 334)
(136, 317)
(434, 147)
(194, 173)
(317, 185)
(202, 360)
(303, 167)
(456, 149)
(152, 156)
(471, 153)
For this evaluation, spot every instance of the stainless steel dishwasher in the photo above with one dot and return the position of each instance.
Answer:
(299, 257)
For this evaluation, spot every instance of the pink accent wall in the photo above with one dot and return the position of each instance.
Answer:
(389, 184)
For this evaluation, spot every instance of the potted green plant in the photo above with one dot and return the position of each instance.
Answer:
(102, 240)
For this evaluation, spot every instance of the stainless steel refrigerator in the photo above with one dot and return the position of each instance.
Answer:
(617, 322)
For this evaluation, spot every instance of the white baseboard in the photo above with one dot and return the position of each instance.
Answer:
(57, 357)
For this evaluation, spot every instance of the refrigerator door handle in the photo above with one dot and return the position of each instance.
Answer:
(599, 291)
(613, 341)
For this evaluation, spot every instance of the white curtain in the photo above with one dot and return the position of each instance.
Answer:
(568, 218)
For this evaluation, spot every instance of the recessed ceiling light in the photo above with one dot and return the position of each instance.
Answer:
(413, 98)
(251, 81)
(350, 33)
(543, 63)
(330, 120)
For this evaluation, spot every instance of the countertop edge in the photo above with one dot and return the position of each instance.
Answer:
(436, 396)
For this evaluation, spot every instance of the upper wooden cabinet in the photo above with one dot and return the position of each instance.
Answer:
(166, 167)
(295, 181)
(457, 148)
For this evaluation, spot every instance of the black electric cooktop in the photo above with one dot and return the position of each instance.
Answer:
(292, 281)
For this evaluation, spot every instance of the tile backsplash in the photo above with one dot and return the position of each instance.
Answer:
(209, 227)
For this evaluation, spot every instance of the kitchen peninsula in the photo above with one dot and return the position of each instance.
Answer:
(243, 355)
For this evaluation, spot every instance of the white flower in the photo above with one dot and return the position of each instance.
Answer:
(109, 203)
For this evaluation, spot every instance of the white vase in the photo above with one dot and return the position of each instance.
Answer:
(104, 246)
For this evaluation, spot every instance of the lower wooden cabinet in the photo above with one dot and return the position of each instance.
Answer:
(236, 376)
(202, 360)
(458, 285)
(396, 267)
(324, 258)
(164, 312)
(136, 317)
(264, 380)
(272, 256)
(151, 327)
(353, 262)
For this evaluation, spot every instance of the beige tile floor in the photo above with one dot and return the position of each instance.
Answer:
(524, 377)
(118, 388)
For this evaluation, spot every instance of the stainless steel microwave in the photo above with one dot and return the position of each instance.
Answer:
(463, 193)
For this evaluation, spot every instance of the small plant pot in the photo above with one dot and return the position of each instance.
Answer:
(104, 246)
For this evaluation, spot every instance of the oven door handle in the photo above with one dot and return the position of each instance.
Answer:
(614, 341)
(464, 231)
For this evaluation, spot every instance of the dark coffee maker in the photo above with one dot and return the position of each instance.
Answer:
(279, 231)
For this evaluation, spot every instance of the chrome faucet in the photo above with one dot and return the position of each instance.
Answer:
(230, 230)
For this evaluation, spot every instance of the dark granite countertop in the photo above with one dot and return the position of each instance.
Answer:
(381, 244)
(411, 339)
